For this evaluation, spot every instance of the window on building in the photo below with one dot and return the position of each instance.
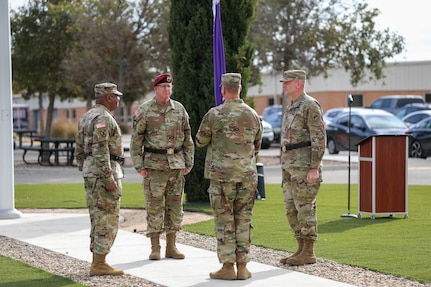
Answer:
(428, 98)
(270, 101)
(358, 100)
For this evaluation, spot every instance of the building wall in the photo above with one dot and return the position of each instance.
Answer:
(406, 78)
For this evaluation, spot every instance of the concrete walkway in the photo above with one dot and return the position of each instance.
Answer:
(68, 234)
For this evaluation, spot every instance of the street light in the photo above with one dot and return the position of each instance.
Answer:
(350, 100)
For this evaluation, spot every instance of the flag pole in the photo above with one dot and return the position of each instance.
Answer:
(218, 53)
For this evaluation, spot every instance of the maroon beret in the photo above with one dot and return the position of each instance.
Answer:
(163, 78)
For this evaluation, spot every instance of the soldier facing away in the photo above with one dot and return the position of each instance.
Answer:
(162, 152)
(99, 155)
(303, 142)
(233, 134)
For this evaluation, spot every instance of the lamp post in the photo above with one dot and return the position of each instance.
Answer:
(349, 100)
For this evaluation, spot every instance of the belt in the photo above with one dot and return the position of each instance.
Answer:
(163, 151)
(118, 158)
(288, 147)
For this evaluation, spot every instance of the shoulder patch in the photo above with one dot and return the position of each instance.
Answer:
(101, 125)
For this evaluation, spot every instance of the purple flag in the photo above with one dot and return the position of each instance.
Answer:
(218, 53)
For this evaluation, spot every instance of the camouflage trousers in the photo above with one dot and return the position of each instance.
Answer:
(300, 203)
(104, 209)
(232, 204)
(163, 191)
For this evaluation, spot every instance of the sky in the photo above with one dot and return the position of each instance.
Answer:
(406, 18)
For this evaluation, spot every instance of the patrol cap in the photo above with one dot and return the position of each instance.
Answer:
(231, 79)
(163, 78)
(290, 75)
(106, 89)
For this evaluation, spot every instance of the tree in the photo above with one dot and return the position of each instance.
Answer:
(40, 40)
(120, 41)
(190, 37)
(322, 35)
(237, 18)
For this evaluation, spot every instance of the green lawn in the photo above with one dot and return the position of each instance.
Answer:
(392, 245)
(14, 273)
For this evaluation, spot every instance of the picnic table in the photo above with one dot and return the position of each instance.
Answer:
(24, 132)
(54, 149)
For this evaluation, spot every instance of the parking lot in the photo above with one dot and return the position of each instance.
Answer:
(335, 170)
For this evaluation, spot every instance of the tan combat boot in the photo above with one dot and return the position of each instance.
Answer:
(306, 256)
(227, 272)
(99, 267)
(300, 245)
(242, 272)
(171, 249)
(155, 248)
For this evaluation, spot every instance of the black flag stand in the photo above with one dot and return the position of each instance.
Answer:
(350, 100)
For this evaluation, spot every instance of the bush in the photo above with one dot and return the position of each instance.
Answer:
(64, 129)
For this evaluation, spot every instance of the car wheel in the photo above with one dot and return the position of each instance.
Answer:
(332, 147)
(265, 145)
(416, 150)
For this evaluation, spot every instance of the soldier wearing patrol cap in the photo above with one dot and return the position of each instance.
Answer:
(99, 155)
(233, 133)
(303, 142)
(162, 151)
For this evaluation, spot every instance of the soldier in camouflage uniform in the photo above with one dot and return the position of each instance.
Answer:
(162, 151)
(303, 141)
(99, 153)
(233, 133)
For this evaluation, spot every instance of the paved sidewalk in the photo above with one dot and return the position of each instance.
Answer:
(68, 234)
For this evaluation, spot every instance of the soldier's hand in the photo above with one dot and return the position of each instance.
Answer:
(144, 173)
(312, 175)
(186, 171)
(111, 186)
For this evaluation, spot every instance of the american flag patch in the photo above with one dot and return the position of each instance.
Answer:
(100, 125)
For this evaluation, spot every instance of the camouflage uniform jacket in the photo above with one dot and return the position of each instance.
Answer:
(233, 133)
(99, 133)
(153, 129)
(302, 122)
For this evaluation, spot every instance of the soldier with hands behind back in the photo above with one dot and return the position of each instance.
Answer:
(99, 155)
(233, 134)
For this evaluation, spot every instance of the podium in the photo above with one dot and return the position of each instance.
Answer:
(383, 166)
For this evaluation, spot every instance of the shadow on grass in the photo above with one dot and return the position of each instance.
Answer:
(344, 224)
(54, 281)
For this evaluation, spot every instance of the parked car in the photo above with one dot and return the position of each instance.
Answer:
(272, 109)
(415, 117)
(420, 139)
(275, 120)
(391, 103)
(410, 108)
(331, 114)
(267, 136)
(363, 123)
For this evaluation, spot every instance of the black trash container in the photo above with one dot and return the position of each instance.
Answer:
(260, 182)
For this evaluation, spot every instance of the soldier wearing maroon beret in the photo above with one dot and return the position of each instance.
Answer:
(162, 151)
(163, 78)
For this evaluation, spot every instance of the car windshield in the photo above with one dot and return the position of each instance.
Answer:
(384, 122)
(274, 119)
